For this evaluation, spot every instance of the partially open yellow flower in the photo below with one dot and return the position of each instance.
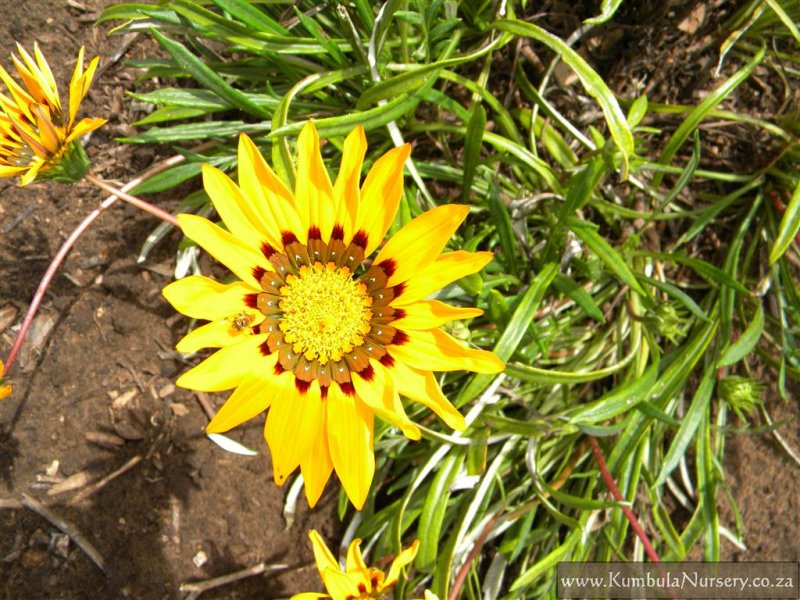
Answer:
(38, 139)
(5, 390)
(312, 332)
(357, 581)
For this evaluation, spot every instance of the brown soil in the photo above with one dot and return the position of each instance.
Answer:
(103, 363)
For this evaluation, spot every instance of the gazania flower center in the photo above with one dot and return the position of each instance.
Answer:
(325, 313)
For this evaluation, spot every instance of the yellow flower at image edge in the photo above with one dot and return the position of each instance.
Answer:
(38, 138)
(357, 581)
(310, 333)
(5, 389)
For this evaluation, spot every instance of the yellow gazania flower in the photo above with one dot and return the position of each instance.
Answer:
(5, 390)
(310, 333)
(357, 581)
(37, 138)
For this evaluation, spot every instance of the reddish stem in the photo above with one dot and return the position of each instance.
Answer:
(612, 486)
(70, 241)
(133, 200)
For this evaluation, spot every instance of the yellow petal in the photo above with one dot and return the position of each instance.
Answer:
(380, 196)
(32, 172)
(404, 558)
(380, 395)
(310, 596)
(240, 258)
(219, 333)
(322, 555)
(417, 244)
(313, 191)
(340, 585)
(350, 437)
(268, 193)
(232, 207)
(203, 298)
(47, 77)
(421, 386)
(228, 367)
(347, 189)
(252, 397)
(355, 561)
(292, 425)
(49, 136)
(441, 272)
(83, 127)
(435, 350)
(316, 464)
(429, 314)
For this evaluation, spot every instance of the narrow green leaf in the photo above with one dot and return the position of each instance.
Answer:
(689, 424)
(566, 285)
(789, 226)
(502, 224)
(675, 293)
(591, 80)
(206, 76)
(473, 143)
(617, 401)
(434, 510)
(252, 16)
(607, 10)
(548, 562)
(517, 327)
(746, 342)
(588, 234)
(195, 131)
(785, 19)
(700, 267)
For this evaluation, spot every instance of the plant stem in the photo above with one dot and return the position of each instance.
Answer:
(133, 200)
(73, 237)
(612, 486)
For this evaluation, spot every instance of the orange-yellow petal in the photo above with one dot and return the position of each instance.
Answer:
(239, 257)
(316, 465)
(252, 397)
(429, 314)
(404, 558)
(340, 585)
(270, 200)
(380, 395)
(421, 386)
(220, 333)
(203, 298)
(228, 367)
(380, 196)
(232, 207)
(313, 191)
(292, 425)
(350, 437)
(444, 270)
(435, 350)
(322, 555)
(347, 188)
(417, 244)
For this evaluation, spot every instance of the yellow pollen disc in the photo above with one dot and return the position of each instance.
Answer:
(325, 312)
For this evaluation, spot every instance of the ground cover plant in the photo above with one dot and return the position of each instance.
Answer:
(642, 288)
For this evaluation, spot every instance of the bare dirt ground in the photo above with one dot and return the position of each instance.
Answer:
(102, 365)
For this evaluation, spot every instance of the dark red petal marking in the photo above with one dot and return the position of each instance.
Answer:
(258, 272)
(264, 349)
(348, 389)
(399, 313)
(278, 369)
(387, 360)
(389, 266)
(267, 250)
(367, 373)
(287, 237)
(399, 338)
(302, 386)
(314, 233)
(337, 233)
(360, 238)
(399, 289)
(323, 391)
(251, 300)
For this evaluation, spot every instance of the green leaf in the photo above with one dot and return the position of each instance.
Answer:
(588, 234)
(789, 226)
(689, 425)
(517, 327)
(700, 267)
(502, 223)
(592, 82)
(207, 77)
(251, 16)
(473, 143)
(746, 342)
(567, 285)
(434, 510)
(195, 131)
(607, 10)
(617, 401)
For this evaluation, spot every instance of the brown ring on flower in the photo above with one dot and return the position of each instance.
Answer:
(325, 322)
